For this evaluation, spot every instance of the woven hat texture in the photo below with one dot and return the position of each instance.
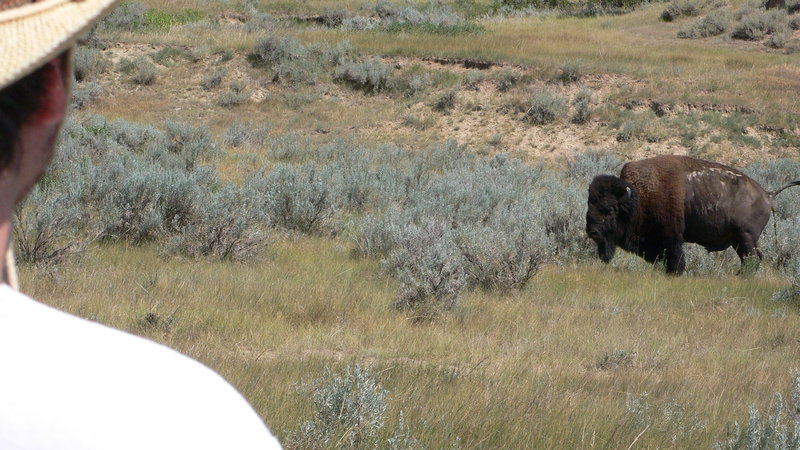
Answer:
(33, 33)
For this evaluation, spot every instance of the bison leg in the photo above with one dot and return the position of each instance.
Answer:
(676, 263)
(749, 253)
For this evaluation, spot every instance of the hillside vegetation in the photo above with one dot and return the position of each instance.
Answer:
(369, 217)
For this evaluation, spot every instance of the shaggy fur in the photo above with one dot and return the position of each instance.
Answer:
(659, 203)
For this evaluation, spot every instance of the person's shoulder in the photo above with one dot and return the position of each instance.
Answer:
(82, 373)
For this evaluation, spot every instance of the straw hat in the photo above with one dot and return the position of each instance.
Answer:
(33, 33)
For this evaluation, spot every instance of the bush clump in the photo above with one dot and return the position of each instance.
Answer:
(547, 107)
(430, 270)
(232, 97)
(88, 62)
(755, 26)
(246, 134)
(273, 50)
(259, 21)
(47, 226)
(169, 56)
(679, 8)
(570, 71)
(507, 79)
(133, 202)
(334, 17)
(297, 198)
(371, 75)
(213, 79)
(779, 430)
(446, 101)
(225, 228)
(85, 93)
(779, 38)
(582, 100)
(506, 251)
(128, 16)
(712, 24)
(434, 18)
(288, 59)
(190, 142)
(349, 410)
(145, 72)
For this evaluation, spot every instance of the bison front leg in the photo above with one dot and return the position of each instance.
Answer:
(676, 263)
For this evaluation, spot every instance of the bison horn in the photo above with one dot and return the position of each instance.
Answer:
(628, 192)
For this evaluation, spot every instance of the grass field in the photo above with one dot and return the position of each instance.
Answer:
(549, 366)
(583, 356)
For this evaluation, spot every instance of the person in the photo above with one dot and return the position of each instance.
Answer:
(65, 382)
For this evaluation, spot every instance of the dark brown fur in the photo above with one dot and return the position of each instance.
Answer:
(659, 203)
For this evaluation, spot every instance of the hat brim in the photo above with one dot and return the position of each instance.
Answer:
(33, 34)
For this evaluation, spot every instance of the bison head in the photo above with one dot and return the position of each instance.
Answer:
(611, 204)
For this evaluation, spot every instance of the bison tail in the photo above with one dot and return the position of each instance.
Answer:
(778, 191)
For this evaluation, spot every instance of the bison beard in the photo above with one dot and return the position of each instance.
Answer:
(659, 203)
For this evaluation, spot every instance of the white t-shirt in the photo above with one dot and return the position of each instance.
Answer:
(68, 383)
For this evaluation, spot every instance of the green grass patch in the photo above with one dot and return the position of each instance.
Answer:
(164, 20)
(449, 30)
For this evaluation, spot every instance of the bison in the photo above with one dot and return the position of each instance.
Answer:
(657, 204)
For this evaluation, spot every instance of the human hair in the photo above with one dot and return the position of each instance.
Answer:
(17, 102)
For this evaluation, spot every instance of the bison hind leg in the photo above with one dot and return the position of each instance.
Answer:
(749, 253)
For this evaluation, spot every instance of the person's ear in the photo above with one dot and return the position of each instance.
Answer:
(56, 83)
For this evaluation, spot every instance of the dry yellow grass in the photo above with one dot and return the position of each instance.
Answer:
(504, 371)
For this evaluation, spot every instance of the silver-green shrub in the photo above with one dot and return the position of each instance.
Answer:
(298, 198)
(779, 37)
(128, 16)
(225, 227)
(48, 225)
(678, 8)
(562, 216)
(435, 17)
(85, 93)
(259, 21)
(349, 411)
(792, 293)
(570, 71)
(429, 268)
(674, 421)
(213, 79)
(546, 108)
(292, 146)
(88, 63)
(145, 72)
(273, 50)
(191, 143)
(780, 430)
(507, 250)
(376, 236)
(756, 25)
(231, 98)
(370, 75)
(582, 100)
(139, 200)
(712, 24)
(246, 134)
(587, 165)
